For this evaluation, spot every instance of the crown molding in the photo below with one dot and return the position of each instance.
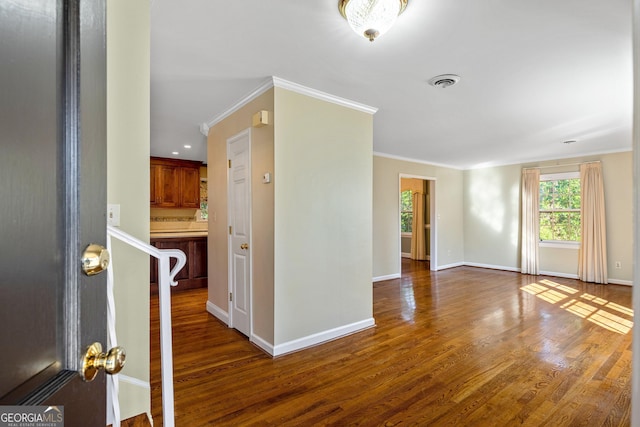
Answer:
(580, 157)
(274, 81)
(264, 86)
(528, 163)
(409, 159)
(314, 93)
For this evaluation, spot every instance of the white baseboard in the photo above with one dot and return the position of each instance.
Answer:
(263, 344)
(492, 267)
(134, 381)
(575, 276)
(554, 274)
(387, 277)
(134, 397)
(125, 381)
(218, 312)
(546, 273)
(446, 266)
(621, 282)
(320, 337)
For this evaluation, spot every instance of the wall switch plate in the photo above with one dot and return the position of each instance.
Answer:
(266, 178)
(113, 215)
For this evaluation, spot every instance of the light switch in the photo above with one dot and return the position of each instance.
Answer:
(113, 215)
(266, 178)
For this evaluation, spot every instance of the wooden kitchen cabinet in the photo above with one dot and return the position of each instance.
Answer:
(190, 184)
(174, 183)
(194, 273)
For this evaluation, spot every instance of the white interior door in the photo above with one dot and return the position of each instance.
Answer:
(239, 202)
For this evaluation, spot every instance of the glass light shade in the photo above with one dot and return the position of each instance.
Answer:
(372, 18)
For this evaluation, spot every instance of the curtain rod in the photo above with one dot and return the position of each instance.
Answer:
(559, 166)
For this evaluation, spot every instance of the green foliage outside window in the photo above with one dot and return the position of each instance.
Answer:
(406, 211)
(204, 210)
(560, 210)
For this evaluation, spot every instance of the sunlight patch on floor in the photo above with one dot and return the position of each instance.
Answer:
(590, 307)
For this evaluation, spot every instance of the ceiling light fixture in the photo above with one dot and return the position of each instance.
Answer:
(371, 18)
(444, 81)
(186, 146)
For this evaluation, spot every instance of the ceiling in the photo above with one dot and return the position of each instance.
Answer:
(534, 73)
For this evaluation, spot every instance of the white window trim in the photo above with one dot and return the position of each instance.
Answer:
(560, 244)
(564, 244)
(559, 176)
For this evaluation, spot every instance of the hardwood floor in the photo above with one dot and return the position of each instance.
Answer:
(460, 347)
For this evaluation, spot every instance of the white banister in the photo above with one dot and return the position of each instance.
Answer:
(166, 278)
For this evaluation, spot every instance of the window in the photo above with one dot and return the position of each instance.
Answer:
(406, 211)
(560, 207)
(204, 202)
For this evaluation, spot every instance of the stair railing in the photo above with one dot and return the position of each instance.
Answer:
(166, 278)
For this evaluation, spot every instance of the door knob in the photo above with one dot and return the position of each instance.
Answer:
(94, 359)
(244, 246)
(95, 259)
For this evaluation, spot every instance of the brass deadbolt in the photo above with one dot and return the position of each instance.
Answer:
(95, 259)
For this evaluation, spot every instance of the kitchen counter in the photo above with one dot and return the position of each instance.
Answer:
(176, 234)
(193, 243)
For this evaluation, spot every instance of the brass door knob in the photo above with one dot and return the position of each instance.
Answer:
(94, 359)
(244, 246)
(95, 259)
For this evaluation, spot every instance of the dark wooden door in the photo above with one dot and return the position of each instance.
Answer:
(52, 203)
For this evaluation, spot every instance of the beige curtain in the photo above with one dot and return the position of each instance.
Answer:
(592, 257)
(530, 221)
(418, 239)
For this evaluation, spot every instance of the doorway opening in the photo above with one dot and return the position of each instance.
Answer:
(417, 233)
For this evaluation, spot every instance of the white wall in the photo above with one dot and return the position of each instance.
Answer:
(323, 219)
(261, 218)
(311, 226)
(478, 216)
(448, 223)
(492, 217)
(128, 33)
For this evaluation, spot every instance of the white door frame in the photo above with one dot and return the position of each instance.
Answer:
(433, 220)
(230, 274)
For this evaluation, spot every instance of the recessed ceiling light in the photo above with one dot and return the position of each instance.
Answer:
(175, 153)
(444, 80)
(569, 141)
(187, 146)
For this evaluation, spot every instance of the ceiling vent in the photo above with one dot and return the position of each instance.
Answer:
(444, 80)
